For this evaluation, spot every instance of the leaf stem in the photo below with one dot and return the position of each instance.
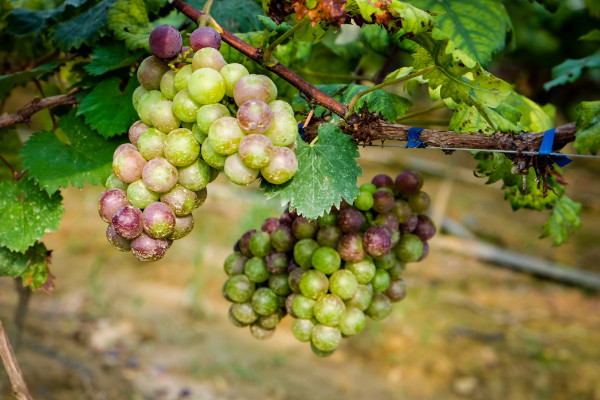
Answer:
(283, 37)
(356, 97)
(206, 18)
(12, 170)
(312, 143)
(421, 112)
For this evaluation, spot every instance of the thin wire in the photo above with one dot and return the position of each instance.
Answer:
(533, 153)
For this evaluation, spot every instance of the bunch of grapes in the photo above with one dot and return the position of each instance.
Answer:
(331, 273)
(198, 116)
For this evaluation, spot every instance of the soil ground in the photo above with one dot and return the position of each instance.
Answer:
(118, 329)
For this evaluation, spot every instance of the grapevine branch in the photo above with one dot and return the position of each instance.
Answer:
(19, 388)
(367, 128)
(37, 104)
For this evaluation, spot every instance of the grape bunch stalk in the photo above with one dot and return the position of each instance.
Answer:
(199, 116)
(330, 273)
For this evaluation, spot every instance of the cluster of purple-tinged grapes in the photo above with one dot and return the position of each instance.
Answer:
(333, 272)
(187, 135)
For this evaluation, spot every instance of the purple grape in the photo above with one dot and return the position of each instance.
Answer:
(245, 243)
(117, 241)
(251, 87)
(350, 247)
(410, 225)
(289, 301)
(276, 262)
(150, 73)
(389, 221)
(183, 226)
(128, 165)
(302, 228)
(383, 201)
(294, 279)
(205, 37)
(254, 116)
(270, 224)
(425, 251)
(123, 147)
(282, 238)
(377, 241)
(127, 222)
(145, 248)
(350, 220)
(159, 175)
(136, 130)
(425, 229)
(408, 182)
(158, 220)
(201, 196)
(329, 236)
(396, 291)
(382, 180)
(165, 41)
(110, 201)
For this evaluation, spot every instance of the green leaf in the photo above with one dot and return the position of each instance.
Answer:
(376, 37)
(7, 82)
(22, 21)
(477, 28)
(128, 19)
(108, 110)
(570, 70)
(10, 145)
(14, 264)
(37, 272)
(399, 73)
(564, 220)
(273, 26)
(593, 35)
(397, 16)
(234, 15)
(390, 105)
(109, 57)
(457, 75)
(86, 158)
(327, 173)
(27, 213)
(593, 7)
(588, 127)
(533, 117)
(86, 28)
(532, 196)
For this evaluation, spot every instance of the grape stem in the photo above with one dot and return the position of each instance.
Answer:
(367, 128)
(283, 37)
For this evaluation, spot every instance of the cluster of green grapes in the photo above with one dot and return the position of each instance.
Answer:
(197, 118)
(331, 273)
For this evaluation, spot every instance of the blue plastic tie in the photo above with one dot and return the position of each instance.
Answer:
(546, 149)
(414, 140)
(301, 130)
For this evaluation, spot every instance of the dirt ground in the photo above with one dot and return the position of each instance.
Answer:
(115, 328)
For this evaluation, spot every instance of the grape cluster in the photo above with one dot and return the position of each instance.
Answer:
(198, 118)
(331, 273)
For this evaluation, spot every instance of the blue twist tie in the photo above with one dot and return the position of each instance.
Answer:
(546, 149)
(301, 130)
(414, 140)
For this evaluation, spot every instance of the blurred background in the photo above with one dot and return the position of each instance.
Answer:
(470, 328)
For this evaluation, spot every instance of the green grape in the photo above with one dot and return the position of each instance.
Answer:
(151, 143)
(326, 338)
(225, 135)
(147, 101)
(280, 105)
(329, 309)
(409, 249)
(162, 116)
(139, 195)
(258, 332)
(208, 57)
(368, 187)
(282, 167)
(264, 301)
(182, 77)
(320, 353)
(313, 284)
(244, 312)
(270, 321)
(256, 270)
(283, 130)
(181, 149)
(239, 288)
(279, 284)
(327, 219)
(326, 260)
(260, 244)
(183, 226)
(195, 176)
(364, 270)
(181, 200)
(343, 284)
(397, 270)
(364, 201)
(137, 95)
(206, 86)
(184, 107)
(381, 280)
(212, 158)
(208, 114)
(237, 172)
(303, 252)
(115, 183)
(231, 73)
(303, 307)
(302, 329)
(352, 322)
(381, 307)
(234, 263)
(167, 85)
(234, 321)
(362, 297)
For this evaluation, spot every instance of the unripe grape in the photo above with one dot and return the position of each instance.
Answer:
(381, 280)
(167, 84)
(329, 236)
(151, 143)
(184, 107)
(409, 249)
(254, 116)
(302, 228)
(282, 167)
(385, 261)
(158, 220)
(183, 226)
(303, 252)
(425, 229)
(182, 77)
(350, 247)
(302, 329)
(383, 180)
(396, 290)
(326, 260)
(234, 321)
(165, 41)
(225, 135)
(419, 202)
(279, 284)
(313, 284)
(212, 158)
(364, 270)
(283, 129)
(208, 57)
(147, 101)
(377, 241)
(350, 220)
(127, 222)
(237, 172)
(162, 116)
(280, 105)
(364, 201)
(239, 288)
(151, 71)
(112, 182)
(234, 263)
(382, 201)
(381, 307)
(140, 195)
(326, 338)
(137, 95)
(352, 322)
(208, 114)
(282, 238)
(408, 182)
(264, 301)
(329, 218)
(397, 270)
(128, 166)
(251, 87)
(195, 176)
(205, 37)
(303, 307)
(181, 200)
(270, 321)
(258, 332)
(343, 283)
(136, 130)
(256, 270)
(329, 310)
(231, 73)
(145, 248)
(159, 175)
(181, 149)
(362, 298)
(244, 243)
(117, 241)
(110, 201)
(206, 86)
(244, 312)
(269, 225)
(260, 244)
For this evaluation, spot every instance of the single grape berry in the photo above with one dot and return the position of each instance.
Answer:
(377, 241)
(110, 201)
(408, 182)
(205, 37)
(165, 41)
(127, 222)
(145, 248)
(350, 220)
(382, 180)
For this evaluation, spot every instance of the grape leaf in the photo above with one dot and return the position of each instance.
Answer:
(128, 19)
(390, 105)
(396, 16)
(564, 220)
(37, 274)
(14, 264)
(456, 74)
(532, 196)
(570, 70)
(234, 15)
(86, 158)
(588, 127)
(84, 28)
(27, 213)
(108, 110)
(109, 57)
(376, 37)
(477, 28)
(22, 21)
(7, 82)
(327, 173)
